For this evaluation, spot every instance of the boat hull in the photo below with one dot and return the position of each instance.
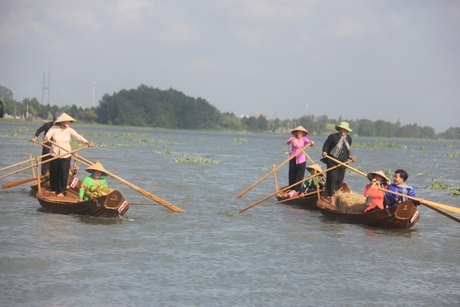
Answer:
(307, 203)
(112, 205)
(403, 216)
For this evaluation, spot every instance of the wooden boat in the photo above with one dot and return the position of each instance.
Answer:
(75, 184)
(308, 202)
(403, 216)
(112, 205)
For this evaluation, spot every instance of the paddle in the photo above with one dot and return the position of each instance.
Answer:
(284, 189)
(19, 182)
(19, 163)
(272, 171)
(425, 202)
(43, 162)
(138, 189)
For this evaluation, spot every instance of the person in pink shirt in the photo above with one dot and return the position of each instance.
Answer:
(297, 165)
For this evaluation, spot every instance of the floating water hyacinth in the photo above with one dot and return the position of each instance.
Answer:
(378, 144)
(195, 160)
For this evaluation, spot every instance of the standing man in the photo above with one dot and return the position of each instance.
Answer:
(337, 145)
(45, 150)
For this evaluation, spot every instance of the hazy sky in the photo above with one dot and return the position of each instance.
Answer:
(368, 59)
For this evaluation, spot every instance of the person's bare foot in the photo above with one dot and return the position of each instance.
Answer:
(60, 195)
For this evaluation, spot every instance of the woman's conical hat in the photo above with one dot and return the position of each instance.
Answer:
(299, 128)
(371, 175)
(316, 167)
(64, 118)
(97, 167)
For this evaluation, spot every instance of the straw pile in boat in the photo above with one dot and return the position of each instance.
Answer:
(349, 202)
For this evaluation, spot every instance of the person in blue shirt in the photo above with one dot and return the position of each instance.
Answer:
(399, 185)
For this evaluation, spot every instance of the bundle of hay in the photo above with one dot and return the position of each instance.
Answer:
(349, 202)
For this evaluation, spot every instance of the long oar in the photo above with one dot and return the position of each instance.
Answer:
(425, 202)
(138, 189)
(19, 163)
(346, 164)
(283, 189)
(271, 172)
(19, 182)
(43, 162)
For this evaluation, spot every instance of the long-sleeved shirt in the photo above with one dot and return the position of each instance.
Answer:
(376, 196)
(44, 128)
(298, 144)
(88, 182)
(394, 200)
(62, 138)
(331, 142)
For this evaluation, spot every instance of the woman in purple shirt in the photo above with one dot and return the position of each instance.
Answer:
(298, 140)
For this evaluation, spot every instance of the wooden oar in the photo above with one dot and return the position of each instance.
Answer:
(273, 170)
(19, 163)
(138, 189)
(43, 162)
(19, 182)
(425, 202)
(284, 189)
(346, 164)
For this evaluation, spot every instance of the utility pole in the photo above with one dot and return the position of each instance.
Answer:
(94, 83)
(46, 87)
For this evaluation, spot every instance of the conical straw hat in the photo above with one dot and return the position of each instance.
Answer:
(371, 175)
(65, 118)
(97, 167)
(299, 128)
(316, 167)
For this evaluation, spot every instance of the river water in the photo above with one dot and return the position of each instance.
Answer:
(270, 255)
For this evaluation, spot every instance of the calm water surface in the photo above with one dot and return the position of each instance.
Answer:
(270, 255)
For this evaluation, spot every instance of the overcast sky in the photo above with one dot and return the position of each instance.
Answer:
(385, 59)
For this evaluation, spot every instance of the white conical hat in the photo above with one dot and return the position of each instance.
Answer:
(64, 118)
(316, 167)
(299, 128)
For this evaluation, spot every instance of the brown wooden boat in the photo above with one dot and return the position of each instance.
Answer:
(308, 202)
(75, 184)
(112, 205)
(403, 216)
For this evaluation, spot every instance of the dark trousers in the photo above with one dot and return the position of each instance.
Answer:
(296, 173)
(59, 174)
(45, 166)
(334, 180)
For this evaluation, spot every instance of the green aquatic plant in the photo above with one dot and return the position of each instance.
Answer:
(198, 159)
(19, 131)
(96, 134)
(422, 173)
(452, 155)
(240, 140)
(451, 145)
(437, 186)
(454, 192)
(379, 144)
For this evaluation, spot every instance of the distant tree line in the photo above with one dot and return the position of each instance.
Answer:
(171, 109)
